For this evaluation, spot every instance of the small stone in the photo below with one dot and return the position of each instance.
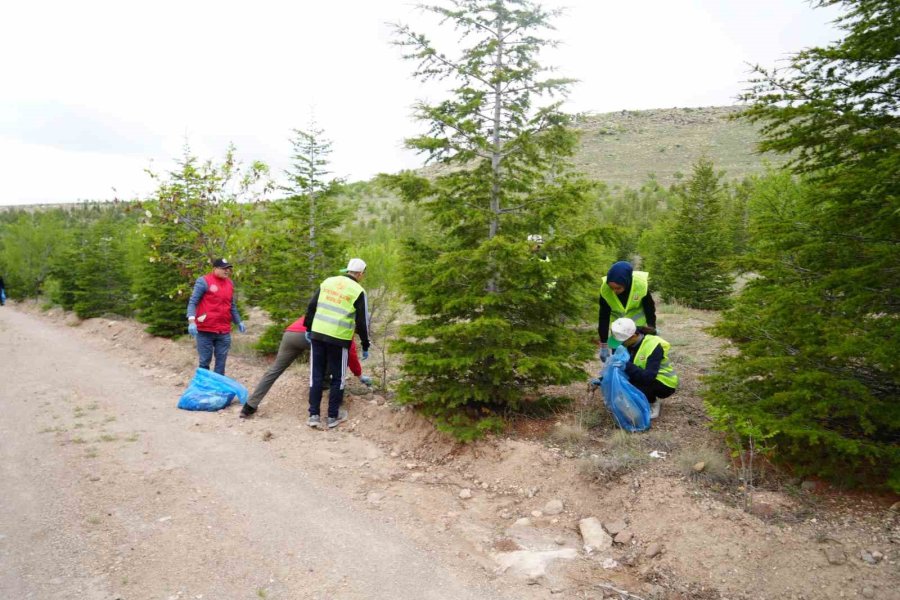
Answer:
(373, 497)
(537, 514)
(267, 435)
(868, 592)
(592, 534)
(877, 555)
(394, 454)
(698, 467)
(610, 563)
(465, 493)
(559, 541)
(410, 466)
(834, 555)
(867, 557)
(523, 522)
(895, 507)
(554, 507)
(652, 550)
(808, 486)
(623, 537)
(614, 527)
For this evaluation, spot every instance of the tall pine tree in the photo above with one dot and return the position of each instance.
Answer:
(694, 270)
(818, 331)
(301, 245)
(101, 282)
(491, 309)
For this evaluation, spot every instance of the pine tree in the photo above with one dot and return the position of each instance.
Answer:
(100, 281)
(301, 245)
(819, 363)
(490, 308)
(694, 271)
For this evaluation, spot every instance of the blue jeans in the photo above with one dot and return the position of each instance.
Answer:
(213, 343)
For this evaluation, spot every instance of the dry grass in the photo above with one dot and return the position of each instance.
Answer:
(715, 467)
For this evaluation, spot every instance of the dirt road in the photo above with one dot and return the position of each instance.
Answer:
(110, 492)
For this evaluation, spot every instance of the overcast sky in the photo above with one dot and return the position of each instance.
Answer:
(93, 92)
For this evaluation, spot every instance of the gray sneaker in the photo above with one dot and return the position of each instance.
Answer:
(334, 422)
(314, 421)
(654, 409)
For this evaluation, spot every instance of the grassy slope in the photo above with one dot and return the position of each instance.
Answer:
(624, 148)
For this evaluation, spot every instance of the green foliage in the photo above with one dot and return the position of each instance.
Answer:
(818, 328)
(101, 283)
(693, 270)
(196, 215)
(27, 241)
(492, 310)
(299, 243)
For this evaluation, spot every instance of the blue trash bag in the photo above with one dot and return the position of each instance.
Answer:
(210, 391)
(628, 404)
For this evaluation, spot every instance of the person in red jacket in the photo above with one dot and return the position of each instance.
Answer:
(293, 344)
(210, 312)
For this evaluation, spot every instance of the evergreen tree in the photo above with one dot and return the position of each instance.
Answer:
(196, 215)
(490, 308)
(818, 329)
(694, 271)
(301, 245)
(100, 280)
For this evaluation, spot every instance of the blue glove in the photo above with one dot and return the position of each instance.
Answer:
(366, 379)
(306, 335)
(618, 364)
(365, 354)
(604, 354)
(192, 329)
(242, 328)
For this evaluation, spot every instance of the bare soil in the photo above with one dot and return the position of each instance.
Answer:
(109, 491)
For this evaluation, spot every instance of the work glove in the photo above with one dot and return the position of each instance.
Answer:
(366, 380)
(596, 381)
(365, 354)
(306, 335)
(192, 329)
(604, 354)
(242, 328)
(618, 364)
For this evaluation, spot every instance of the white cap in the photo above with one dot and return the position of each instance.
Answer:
(623, 328)
(536, 238)
(356, 265)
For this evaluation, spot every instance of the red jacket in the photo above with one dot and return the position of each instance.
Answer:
(299, 326)
(215, 305)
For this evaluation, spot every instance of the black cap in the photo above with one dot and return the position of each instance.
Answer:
(221, 263)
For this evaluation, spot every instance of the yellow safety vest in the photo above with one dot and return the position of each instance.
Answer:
(335, 314)
(634, 309)
(666, 374)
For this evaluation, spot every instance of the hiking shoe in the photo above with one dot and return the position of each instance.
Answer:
(654, 409)
(334, 422)
(314, 421)
(596, 381)
(246, 412)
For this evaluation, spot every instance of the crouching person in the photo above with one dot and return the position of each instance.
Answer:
(648, 367)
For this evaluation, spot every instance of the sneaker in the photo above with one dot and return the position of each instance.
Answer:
(596, 381)
(654, 409)
(334, 422)
(314, 421)
(246, 412)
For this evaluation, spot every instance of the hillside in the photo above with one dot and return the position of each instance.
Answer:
(624, 148)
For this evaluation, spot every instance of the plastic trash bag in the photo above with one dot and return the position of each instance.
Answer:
(210, 391)
(627, 404)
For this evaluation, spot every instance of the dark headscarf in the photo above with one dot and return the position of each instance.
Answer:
(620, 273)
